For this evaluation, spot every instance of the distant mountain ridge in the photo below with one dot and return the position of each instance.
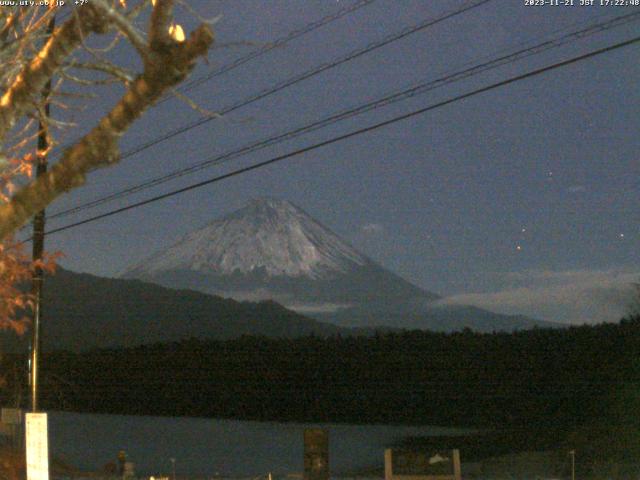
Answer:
(272, 249)
(82, 311)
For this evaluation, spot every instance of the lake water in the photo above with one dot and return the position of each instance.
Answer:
(206, 447)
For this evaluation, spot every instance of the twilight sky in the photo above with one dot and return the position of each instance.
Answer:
(520, 200)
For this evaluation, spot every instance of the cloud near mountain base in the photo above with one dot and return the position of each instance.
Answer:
(572, 296)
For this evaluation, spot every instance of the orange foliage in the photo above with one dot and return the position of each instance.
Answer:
(16, 267)
(16, 270)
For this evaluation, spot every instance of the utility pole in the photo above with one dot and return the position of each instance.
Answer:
(38, 238)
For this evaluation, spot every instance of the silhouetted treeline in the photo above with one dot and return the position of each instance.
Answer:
(537, 377)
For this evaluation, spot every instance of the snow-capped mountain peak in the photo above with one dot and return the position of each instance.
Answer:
(266, 236)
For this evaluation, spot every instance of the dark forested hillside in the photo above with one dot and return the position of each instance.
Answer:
(83, 311)
(560, 377)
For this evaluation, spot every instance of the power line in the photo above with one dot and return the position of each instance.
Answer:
(306, 75)
(351, 134)
(279, 42)
(388, 99)
(276, 44)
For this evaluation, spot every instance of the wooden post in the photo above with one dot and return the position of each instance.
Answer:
(388, 466)
(457, 470)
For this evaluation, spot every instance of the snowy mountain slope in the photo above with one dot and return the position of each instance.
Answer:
(272, 249)
(267, 235)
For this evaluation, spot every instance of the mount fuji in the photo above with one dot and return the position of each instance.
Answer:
(272, 249)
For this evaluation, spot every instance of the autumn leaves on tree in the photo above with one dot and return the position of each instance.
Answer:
(30, 58)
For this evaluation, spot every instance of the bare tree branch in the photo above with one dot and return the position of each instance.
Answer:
(16, 101)
(161, 17)
(112, 70)
(125, 26)
(168, 63)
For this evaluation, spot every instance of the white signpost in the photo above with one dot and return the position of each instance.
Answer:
(37, 446)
